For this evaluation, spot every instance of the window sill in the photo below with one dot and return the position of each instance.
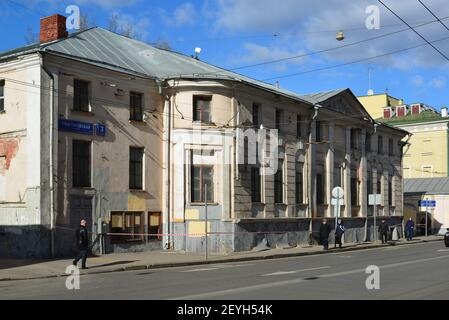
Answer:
(137, 122)
(137, 191)
(2, 111)
(202, 204)
(83, 113)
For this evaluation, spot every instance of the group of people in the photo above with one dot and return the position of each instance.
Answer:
(325, 231)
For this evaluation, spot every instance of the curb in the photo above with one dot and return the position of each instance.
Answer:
(155, 266)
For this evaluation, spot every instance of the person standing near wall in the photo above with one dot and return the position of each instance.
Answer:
(325, 231)
(339, 231)
(383, 229)
(82, 242)
(410, 228)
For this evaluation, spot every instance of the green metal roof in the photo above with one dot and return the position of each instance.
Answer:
(425, 116)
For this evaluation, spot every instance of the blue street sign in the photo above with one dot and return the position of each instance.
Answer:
(82, 127)
(100, 129)
(427, 203)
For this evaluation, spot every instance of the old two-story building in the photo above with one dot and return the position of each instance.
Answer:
(153, 148)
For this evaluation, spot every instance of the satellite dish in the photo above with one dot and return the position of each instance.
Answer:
(370, 92)
(197, 52)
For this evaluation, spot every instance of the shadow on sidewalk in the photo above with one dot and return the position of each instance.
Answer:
(111, 264)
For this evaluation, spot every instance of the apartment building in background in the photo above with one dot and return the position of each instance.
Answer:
(139, 141)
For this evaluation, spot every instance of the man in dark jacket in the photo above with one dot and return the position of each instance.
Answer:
(325, 231)
(383, 230)
(409, 228)
(82, 242)
(339, 231)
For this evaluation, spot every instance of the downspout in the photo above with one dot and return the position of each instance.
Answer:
(317, 108)
(167, 155)
(51, 165)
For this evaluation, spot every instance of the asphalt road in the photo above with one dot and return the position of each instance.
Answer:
(418, 271)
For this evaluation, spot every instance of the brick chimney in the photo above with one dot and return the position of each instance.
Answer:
(53, 28)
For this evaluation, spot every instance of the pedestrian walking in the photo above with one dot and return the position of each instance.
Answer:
(383, 229)
(339, 231)
(325, 231)
(410, 228)
(82, 242)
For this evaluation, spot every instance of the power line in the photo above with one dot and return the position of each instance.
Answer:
(353, 62)
(41, 13)
(333, 48)
(419, 34)
(433, 14)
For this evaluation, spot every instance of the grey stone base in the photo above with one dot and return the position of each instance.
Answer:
(24, 242)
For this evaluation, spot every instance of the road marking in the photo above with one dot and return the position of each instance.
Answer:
(293, 271)
(395, 248)
(199, 270)
(208, 295)
(236, 266)
(443, 250)
(345, 257)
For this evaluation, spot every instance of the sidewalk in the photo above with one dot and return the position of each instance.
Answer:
(11, 269)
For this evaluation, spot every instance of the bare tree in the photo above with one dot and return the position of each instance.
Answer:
(31, 37)
(113, 24)
(163, 44)
(86, 22)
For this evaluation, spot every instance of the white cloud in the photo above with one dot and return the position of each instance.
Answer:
(418, 81)
(438, 83)
(315, 25)
(185, 14)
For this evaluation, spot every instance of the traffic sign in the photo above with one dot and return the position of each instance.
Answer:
(375, 199)
(427, 203)
(338, 193)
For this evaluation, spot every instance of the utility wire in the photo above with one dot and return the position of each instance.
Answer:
(18, 4)
(433, 14)
(353, 62)
(419, 34)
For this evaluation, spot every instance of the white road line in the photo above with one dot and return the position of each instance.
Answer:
(280, 273)
(235, 266)
(295, 281)
(199, 270)
(443, 250)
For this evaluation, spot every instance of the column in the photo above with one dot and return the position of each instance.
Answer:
(364, 173)
(330, 169)
(347, 174)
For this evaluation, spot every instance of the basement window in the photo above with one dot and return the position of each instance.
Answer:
(2, 95)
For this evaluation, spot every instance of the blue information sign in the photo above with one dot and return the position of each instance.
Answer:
(82, 127)
(427, 203)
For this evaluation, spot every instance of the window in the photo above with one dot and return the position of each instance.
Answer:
(390, 191)
(320, 188)
(354, 140)
(278, 119)
(81, 96)
(390, 147)
(279, 183)
(136, 168)
(135, 106)
(337, 176)
(318, 132)
(379, 184)
(298, 126)
(256, 112)
(2, 95)
(201, 109)
(201, 176)
(380, 145)
(256, 184)
(368, 143)
(354, 191)
(154, 225)
(299, 181)
(129, 223)
(81, 164)
(369, 185)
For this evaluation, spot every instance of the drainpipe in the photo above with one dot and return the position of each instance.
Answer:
(317, 108)
(51, 165)
(167, 155)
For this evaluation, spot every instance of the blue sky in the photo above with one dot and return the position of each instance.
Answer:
(241, 33)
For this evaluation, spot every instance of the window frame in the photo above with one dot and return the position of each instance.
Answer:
(77, 102)
(2, 95)
(136, 111)
(278, 117)
(298, 126)
(299, 184)
(256, 114)
(318, 131)
(256, 185)
(78, 164)
(390, 147)
(202, 168)
(320, 189)
(201, 119)
(133, 178)
(128, 239)
(380, 145)
(279, 192)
